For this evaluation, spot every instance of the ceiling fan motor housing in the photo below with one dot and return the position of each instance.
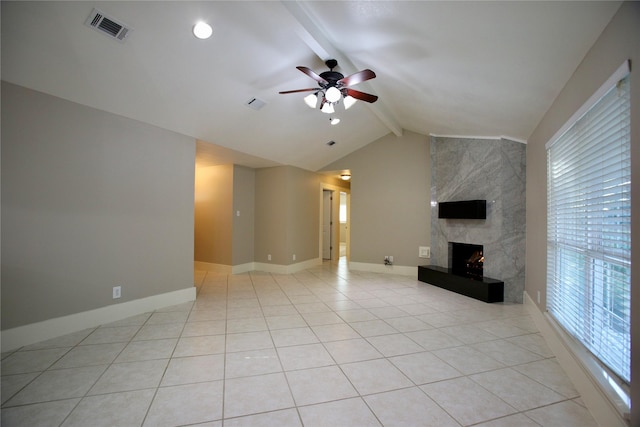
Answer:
(332, 77)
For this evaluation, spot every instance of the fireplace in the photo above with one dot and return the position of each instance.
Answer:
(466, 260)
(464, 274)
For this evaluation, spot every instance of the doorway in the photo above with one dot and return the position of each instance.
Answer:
(344, 225)
(334, 233)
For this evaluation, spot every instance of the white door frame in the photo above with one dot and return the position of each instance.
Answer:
(335, 214)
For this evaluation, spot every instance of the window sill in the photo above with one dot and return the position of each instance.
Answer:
(608, 401)
(614, 390)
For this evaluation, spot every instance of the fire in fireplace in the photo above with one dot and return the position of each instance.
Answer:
(466, 260)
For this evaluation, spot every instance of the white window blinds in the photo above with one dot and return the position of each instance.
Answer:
(589, 226)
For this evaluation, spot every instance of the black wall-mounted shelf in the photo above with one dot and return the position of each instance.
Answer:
(464, 209)
(487, 290)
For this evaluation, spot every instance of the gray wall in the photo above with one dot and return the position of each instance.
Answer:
(271, 218)
(390, 188)
(90, 200)
(493, 170)
(619, 41)
(304, 214)
(287, 205)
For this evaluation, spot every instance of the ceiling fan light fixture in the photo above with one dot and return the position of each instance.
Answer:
(333, 94)
(334, 120)
(349, 101)
(328, 108)
(334, 88)
(202, 30)
(311, 100)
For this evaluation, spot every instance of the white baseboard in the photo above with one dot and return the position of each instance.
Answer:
(287, 269)
(243, 268)
(600, 405)
(209, 266)
(253, 266)
(35, 332)
(402, 270)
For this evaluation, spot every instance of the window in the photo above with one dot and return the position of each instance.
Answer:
(589, 225)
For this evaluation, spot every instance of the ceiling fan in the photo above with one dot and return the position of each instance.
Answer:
(333, 87)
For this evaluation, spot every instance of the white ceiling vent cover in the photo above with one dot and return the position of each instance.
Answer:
(113, 28)
(255, 103)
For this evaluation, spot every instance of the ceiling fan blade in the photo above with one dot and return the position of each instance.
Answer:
(361, 95)
(300, 90)
(356, 78)
(309, 72)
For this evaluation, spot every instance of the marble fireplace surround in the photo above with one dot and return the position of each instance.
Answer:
(489, 169)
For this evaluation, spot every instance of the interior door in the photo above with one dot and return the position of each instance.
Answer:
(327, 200)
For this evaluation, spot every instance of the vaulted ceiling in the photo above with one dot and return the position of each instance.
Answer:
(446, 68)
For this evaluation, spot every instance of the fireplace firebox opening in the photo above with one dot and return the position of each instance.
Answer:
(466, 260)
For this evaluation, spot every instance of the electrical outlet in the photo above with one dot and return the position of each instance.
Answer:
(390, 258)
(538, 297)
(117, 292)
(424, 252)
(269, 257)
(294, 257)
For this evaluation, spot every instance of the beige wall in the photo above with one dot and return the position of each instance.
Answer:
(224, 214)
(213, 214)
(620, 41)
(242, 215)
(390, 199)
(90, 200)
(243, 225)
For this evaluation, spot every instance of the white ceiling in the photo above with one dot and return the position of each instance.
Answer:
(446, 68)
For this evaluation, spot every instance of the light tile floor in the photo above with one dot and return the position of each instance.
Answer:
(324, 347)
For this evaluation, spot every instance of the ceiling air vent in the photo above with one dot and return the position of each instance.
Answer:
(107, 25)
(255, 103)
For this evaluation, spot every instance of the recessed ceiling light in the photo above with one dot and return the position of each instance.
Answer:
(202, 30)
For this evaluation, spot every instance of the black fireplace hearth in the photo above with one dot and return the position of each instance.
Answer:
(487, 289)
